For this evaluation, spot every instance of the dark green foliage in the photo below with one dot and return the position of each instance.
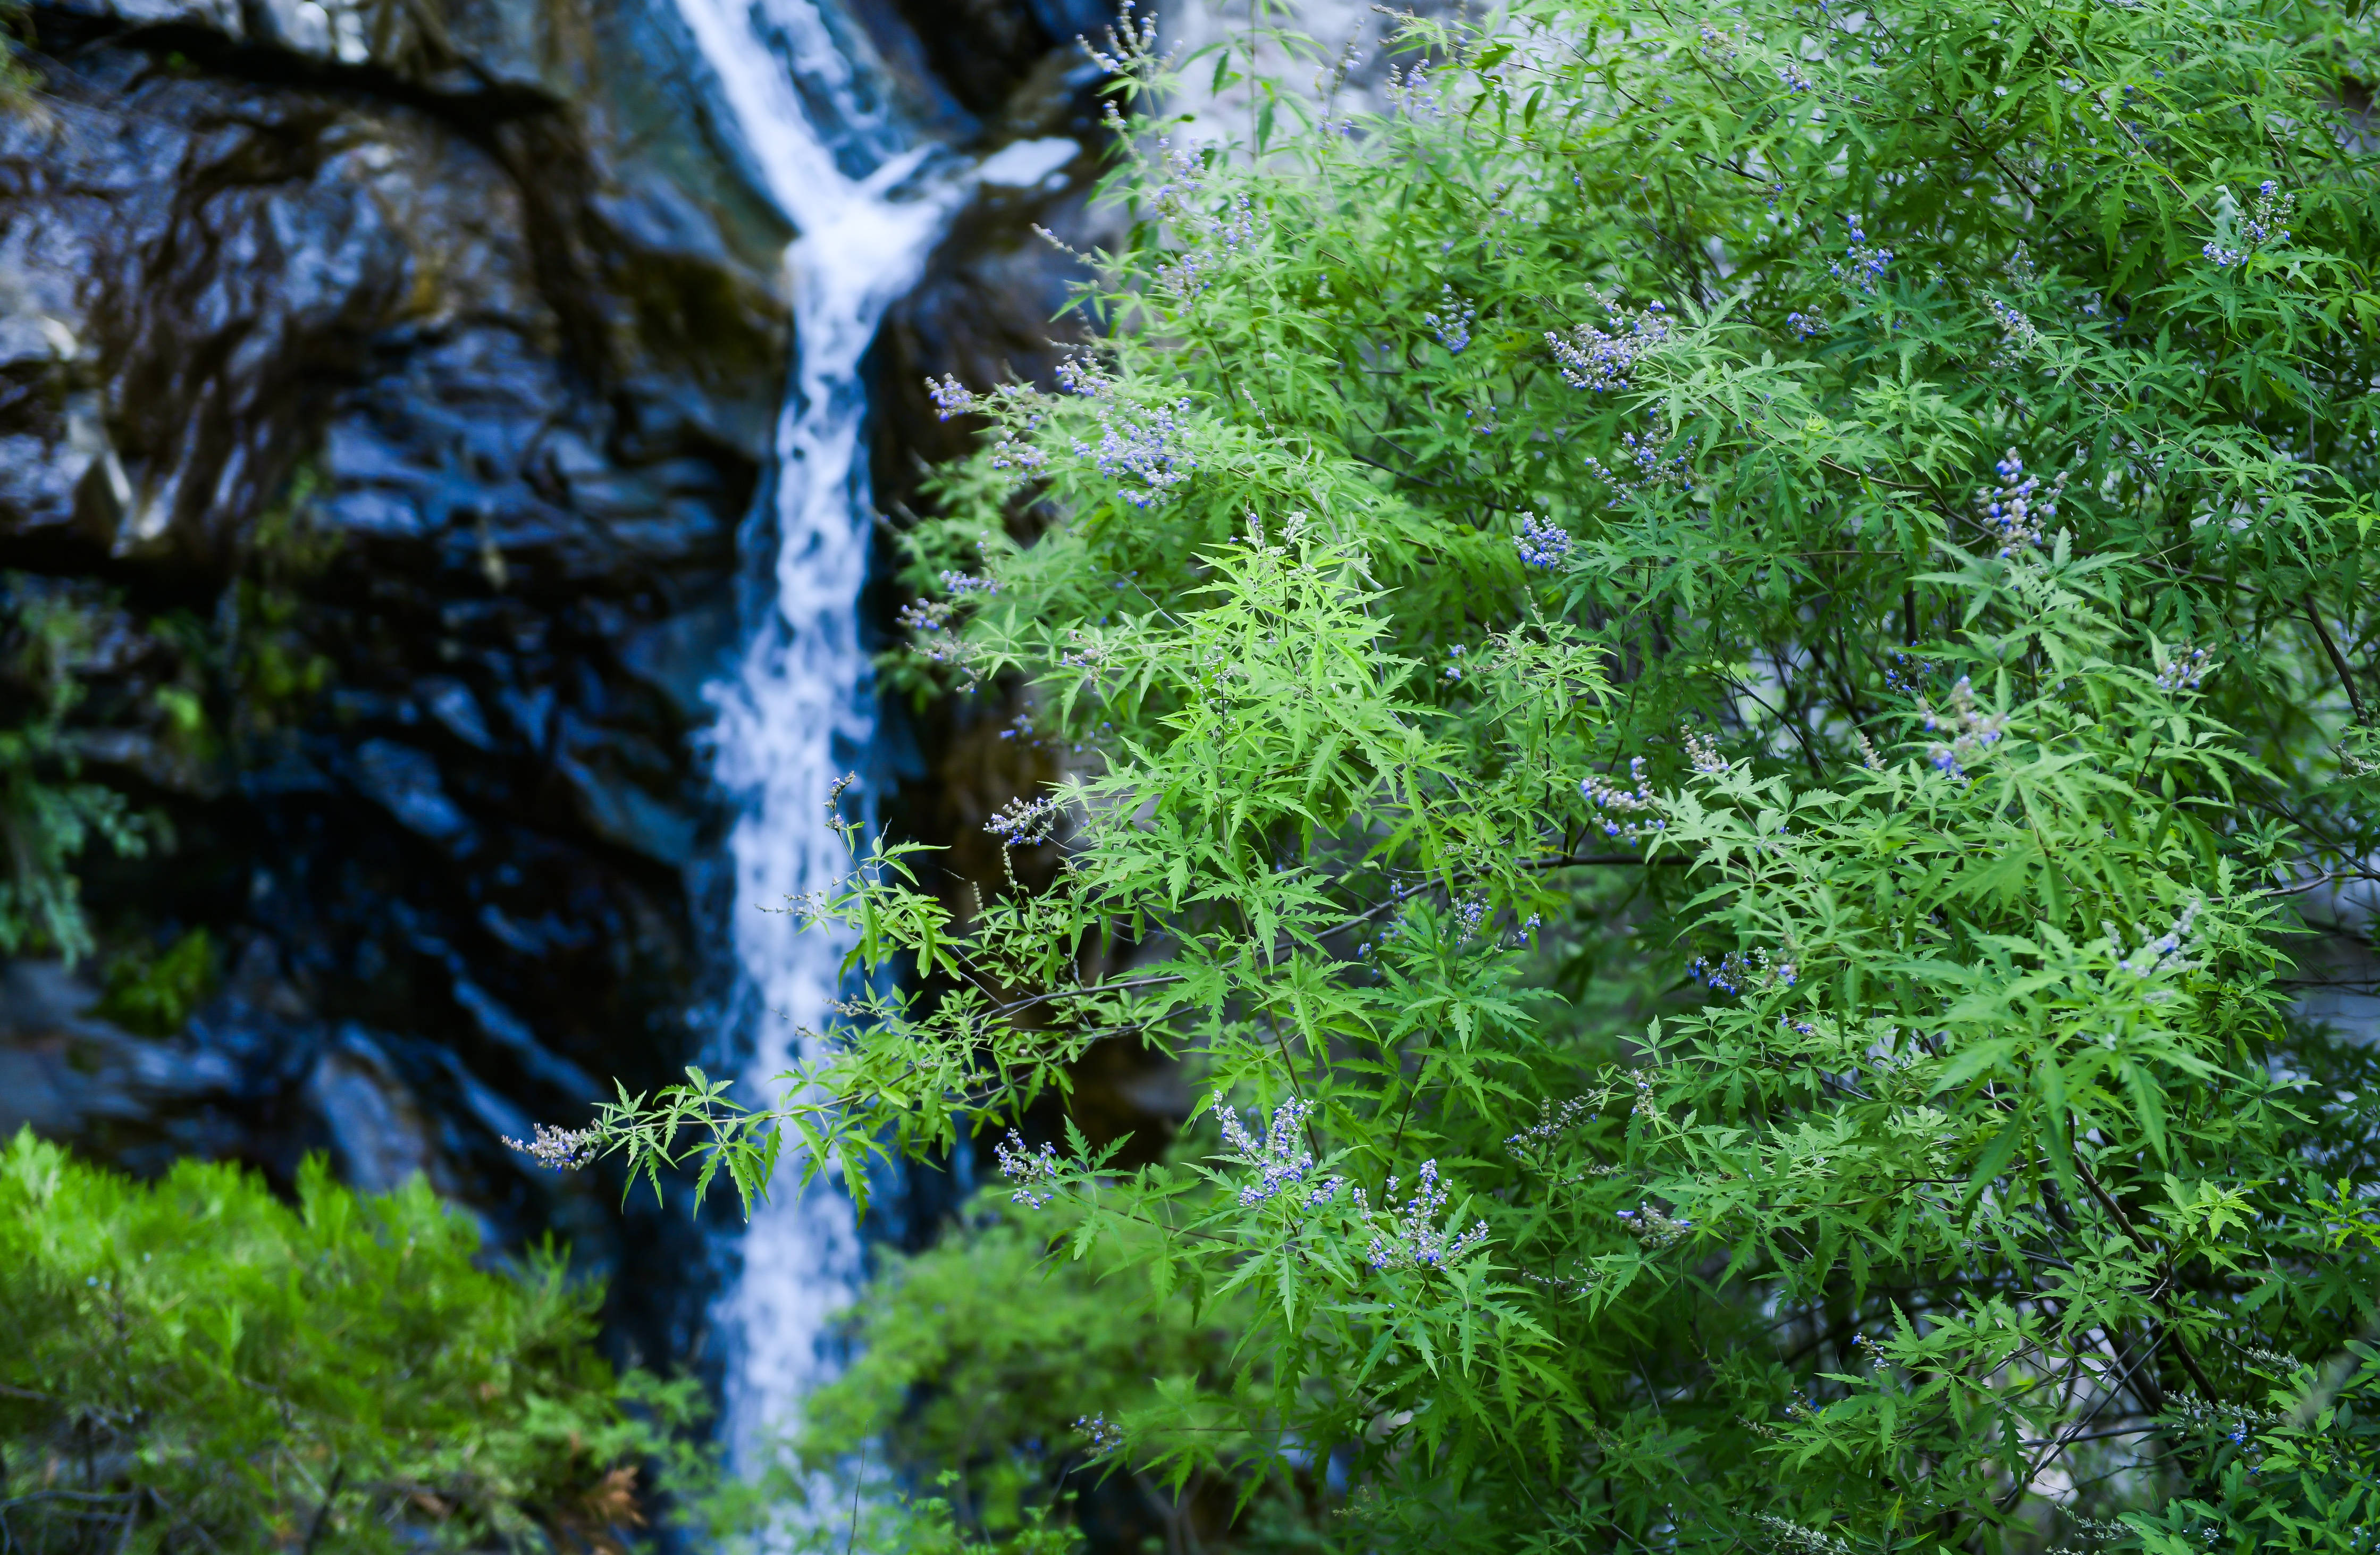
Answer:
(195, 1366)
(47, 815)
(270, 674)
(156, 995)
(2303, 1474)
(176, 697)
(985, 1351)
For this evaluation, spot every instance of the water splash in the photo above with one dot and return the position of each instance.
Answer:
(868, 208)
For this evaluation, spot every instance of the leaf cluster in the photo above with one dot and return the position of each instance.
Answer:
(195, 1365)
(1716, 658)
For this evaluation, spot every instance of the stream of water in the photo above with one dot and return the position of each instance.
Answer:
(867, 206)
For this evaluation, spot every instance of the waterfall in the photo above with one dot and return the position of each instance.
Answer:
(867, 209)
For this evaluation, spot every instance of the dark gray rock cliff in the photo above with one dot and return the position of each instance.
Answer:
(381, 389)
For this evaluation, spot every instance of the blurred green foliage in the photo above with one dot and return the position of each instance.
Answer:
(17, 81)
(194, 1364)
(979, 1357)
(862, 1507)
(47, 815)
(154, 994)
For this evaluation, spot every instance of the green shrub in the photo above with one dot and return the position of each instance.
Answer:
(155, 994)
(982, 1355)
(18, 82)
(787, 1511)
(2301, 1473)
(195, 1366)
(1712, 663)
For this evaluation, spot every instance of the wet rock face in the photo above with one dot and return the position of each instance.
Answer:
(981, 50)
(379, 401)
(381, 389)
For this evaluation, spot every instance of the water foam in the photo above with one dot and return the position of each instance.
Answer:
(868, 209)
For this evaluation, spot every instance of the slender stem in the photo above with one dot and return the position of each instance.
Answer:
(322, 1513)
(856, 1480)
(2337, 662)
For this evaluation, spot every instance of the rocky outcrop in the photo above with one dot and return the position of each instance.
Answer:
(380, 391)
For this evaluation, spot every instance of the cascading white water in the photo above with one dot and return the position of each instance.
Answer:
(867, 210)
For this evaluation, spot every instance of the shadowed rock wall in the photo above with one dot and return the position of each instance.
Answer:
(381, 392)
(381, 389)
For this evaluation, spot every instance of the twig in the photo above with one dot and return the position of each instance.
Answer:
(2180, 1346)
(2337, 662)
(322, 1513)
(857, 1480)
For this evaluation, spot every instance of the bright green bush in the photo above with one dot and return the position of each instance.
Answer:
(1711, 663)
(195, 1366)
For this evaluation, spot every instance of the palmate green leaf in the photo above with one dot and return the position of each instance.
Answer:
(1851, 1013)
